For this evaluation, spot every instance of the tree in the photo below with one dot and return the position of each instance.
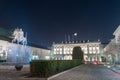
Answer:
(77, 53)
(5, 32)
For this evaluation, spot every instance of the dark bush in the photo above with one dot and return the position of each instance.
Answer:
(2, 60)
(45, 68)
(77, 53)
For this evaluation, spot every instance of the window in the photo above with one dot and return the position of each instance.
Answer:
(60, 52)
(85, 52)
(94, 51)
(97, 48)
(70, 52)
(90, 51)
(82, 48)
(90, 48)
(0, 48)
(60, 49)
(54, 49)
(93, 48)
(64, 52)
(54, 52)
(98, 51)
(57, 49)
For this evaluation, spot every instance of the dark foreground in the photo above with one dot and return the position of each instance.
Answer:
(89, 72)
(83, 72)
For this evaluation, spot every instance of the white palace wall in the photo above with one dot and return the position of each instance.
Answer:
(63, 51)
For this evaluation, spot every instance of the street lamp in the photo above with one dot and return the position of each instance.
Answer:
(75, 36)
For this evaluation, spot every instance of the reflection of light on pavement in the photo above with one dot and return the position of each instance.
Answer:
(10, 50)
(95, 62)
(117, 74)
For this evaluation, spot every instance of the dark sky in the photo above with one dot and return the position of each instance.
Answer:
(48, 21)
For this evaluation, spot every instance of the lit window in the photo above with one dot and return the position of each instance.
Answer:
(54, 52)
(93, 48)
(0, 48)
(90, 48)
(90, 51)
(35, 57)
(82, 48)
(47, 57)
(54, 49)
(98, 51)
(1, 55)
(64, 52)
(97, 48)
(64, 49)
(85, 52)
(60, 49)
(60, 52)
(57, 49)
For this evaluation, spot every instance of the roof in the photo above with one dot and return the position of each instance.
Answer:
(78, 42)
(37, 46)
(116, 30)
(29, 44)
(5, 38)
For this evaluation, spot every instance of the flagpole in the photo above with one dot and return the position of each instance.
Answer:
(65, 38)
(26, 37)
(68, 38)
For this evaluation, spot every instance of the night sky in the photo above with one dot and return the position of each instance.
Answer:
(49, 21)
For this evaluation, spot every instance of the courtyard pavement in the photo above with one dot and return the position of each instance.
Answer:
(115, 68)
(82, 72)
(8, 72)
(88, 72)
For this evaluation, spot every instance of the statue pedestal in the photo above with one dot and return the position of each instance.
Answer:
(18, 67)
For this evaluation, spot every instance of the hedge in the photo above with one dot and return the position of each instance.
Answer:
(46, 68)
(2, 60)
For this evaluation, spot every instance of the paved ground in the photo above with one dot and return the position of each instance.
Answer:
(7, 73)
(89, 72)
(10, 75)
(83, 72)
(115, 68)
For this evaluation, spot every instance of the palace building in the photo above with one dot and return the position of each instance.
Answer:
(92, 50)
(10, 50)
(112, 49)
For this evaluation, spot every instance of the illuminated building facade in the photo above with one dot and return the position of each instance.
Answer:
(112, 50)
(16, 46)
(92, 50)
(37, 52)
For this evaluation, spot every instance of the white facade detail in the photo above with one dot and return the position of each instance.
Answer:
(10, 50)
(112, 50)
(64, 51)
